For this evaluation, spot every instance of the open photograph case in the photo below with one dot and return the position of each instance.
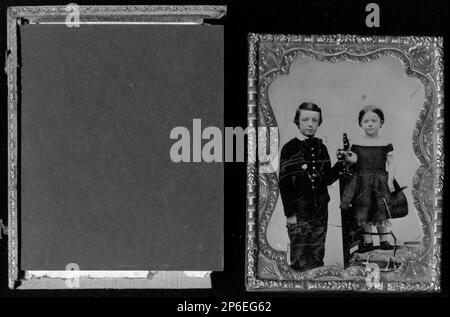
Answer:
(342, 74)
(93, 92)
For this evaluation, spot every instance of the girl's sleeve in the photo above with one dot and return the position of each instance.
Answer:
(389, 148)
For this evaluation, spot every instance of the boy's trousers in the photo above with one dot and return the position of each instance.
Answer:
(307, 241)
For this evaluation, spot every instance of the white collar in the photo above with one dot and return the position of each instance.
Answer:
(301, 136)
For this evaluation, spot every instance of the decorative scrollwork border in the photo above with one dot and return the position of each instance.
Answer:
(138, 13)
(270, 56)
(57, 14)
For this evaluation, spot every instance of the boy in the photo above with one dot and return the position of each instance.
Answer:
(305, 173)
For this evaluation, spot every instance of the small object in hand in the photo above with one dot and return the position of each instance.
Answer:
(396, 203)
(345, 141)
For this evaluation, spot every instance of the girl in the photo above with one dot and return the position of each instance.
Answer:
(373, 179)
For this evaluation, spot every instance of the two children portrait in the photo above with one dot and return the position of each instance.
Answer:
(305, 173)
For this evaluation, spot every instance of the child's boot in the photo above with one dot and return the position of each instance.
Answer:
(385, 245)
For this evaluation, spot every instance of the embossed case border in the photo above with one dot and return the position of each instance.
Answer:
(270, 56)
(188, 14)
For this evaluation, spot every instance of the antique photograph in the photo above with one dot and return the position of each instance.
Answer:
(349, 199)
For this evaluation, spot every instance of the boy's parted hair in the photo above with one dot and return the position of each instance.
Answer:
(307, 106)
(371, 108)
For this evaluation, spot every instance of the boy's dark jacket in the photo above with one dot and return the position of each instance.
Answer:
(305, 173)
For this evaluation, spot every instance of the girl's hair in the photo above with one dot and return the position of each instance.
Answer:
(307, 106)
(373, 109)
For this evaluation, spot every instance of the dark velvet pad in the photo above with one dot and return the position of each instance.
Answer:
(98, 187)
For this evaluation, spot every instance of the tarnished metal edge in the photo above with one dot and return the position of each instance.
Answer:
(11, 70)
(176, 13)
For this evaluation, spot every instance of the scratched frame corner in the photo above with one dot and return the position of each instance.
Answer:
(270, 56)
(19, 15)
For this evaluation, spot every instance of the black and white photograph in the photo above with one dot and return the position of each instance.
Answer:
(224, 155)
(352, 184)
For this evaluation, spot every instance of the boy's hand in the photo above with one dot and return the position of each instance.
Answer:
(348, 156)
(292, 220)
(340, 154)
(351, 157)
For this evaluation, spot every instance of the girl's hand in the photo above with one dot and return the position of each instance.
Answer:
(391, 186)
(292, 220)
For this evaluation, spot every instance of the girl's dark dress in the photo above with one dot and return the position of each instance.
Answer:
(366, 190)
